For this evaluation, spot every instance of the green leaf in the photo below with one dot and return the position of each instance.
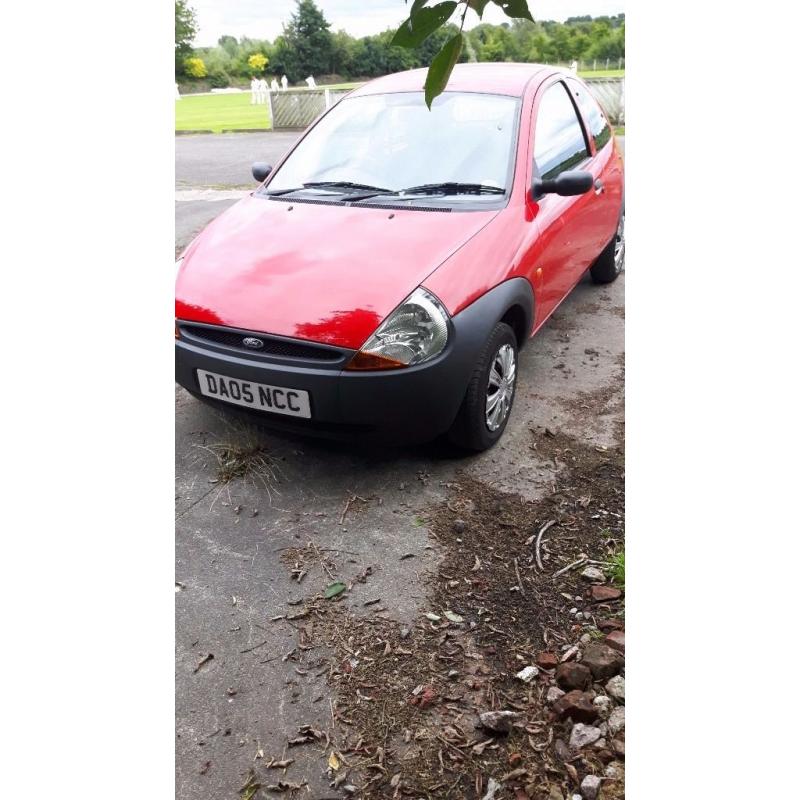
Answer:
(250, 788)
(478, 6)
(416, 6)
(442, 67)
(517, 9)
(420, 25)
(334, 589)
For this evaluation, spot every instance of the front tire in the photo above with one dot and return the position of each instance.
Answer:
(486, 407)
(611, 261)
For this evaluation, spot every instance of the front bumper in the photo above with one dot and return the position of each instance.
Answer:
(401, 406)
(414, 404)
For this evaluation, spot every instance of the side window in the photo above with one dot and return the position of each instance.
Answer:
(559, 143)
(595, 119)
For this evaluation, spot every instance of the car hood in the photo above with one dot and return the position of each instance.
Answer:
(322, 272)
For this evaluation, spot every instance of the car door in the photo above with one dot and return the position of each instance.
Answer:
(565, 239)
(605, 166)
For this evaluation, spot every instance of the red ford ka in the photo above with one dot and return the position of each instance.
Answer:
(382, 279)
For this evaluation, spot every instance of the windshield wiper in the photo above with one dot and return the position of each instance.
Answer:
(363, 191)
(361, 188)
(453, 187)
(346, 185)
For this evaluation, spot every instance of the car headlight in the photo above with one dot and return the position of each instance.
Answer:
(414, 332)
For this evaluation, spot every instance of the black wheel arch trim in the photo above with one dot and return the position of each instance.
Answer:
(495, 306)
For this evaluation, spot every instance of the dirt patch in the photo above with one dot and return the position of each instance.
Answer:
(599, 408)
(589, 307)
(405, 720)
(558, 323)
(603, 401)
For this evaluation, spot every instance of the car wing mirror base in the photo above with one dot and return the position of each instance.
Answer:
(567, 184)
(261, 171)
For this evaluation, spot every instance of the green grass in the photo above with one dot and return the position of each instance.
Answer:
(234, 112)
(620, 130)
(218, 112)
(229, 112)
(341, 85)
(617, 569)
(602, 73)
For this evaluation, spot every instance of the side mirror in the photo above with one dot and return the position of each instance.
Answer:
(261, 171)
(571, 182)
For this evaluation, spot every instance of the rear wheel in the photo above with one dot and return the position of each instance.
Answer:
(487, 404)
(611, 261)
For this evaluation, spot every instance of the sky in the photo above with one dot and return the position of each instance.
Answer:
(263, 19)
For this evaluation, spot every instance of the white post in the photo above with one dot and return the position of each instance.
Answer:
(594, 65)
(327, 98)
(271, 113)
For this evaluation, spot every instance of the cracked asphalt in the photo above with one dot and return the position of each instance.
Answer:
(240, 707)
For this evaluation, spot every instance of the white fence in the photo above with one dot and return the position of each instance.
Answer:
(298, 108)
(610, 93)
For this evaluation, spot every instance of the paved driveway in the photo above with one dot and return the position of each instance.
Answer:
(358, 510)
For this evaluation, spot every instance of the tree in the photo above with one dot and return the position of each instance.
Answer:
(229, 45)
(309, 45)
(219, 66)
(342, 53)
(185, 31)
(280, 56)
(257, 62)
(583, 38)
(195, 67)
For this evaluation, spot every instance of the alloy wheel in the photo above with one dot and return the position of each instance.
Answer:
(500, 389)
(619, 245)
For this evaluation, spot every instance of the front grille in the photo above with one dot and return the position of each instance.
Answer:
(272, 346)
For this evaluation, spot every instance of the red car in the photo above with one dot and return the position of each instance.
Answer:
(382, 279)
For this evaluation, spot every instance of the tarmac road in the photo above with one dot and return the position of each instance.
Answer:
(214, 163)
(230, 579)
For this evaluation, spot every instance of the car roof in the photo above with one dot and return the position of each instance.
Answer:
(491, 78)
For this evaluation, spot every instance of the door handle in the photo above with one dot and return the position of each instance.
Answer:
(598, 187)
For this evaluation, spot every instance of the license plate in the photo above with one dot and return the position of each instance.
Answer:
(261, 396)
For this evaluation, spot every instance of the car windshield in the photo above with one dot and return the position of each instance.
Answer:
(393, 142)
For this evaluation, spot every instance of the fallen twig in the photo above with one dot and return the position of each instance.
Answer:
(255, 647)
(203, 662)
(347, 506)
(549, 524)
(519, 580)
(569, 567)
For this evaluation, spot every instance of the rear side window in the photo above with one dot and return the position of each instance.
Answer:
(559, 143)
(595, 119)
